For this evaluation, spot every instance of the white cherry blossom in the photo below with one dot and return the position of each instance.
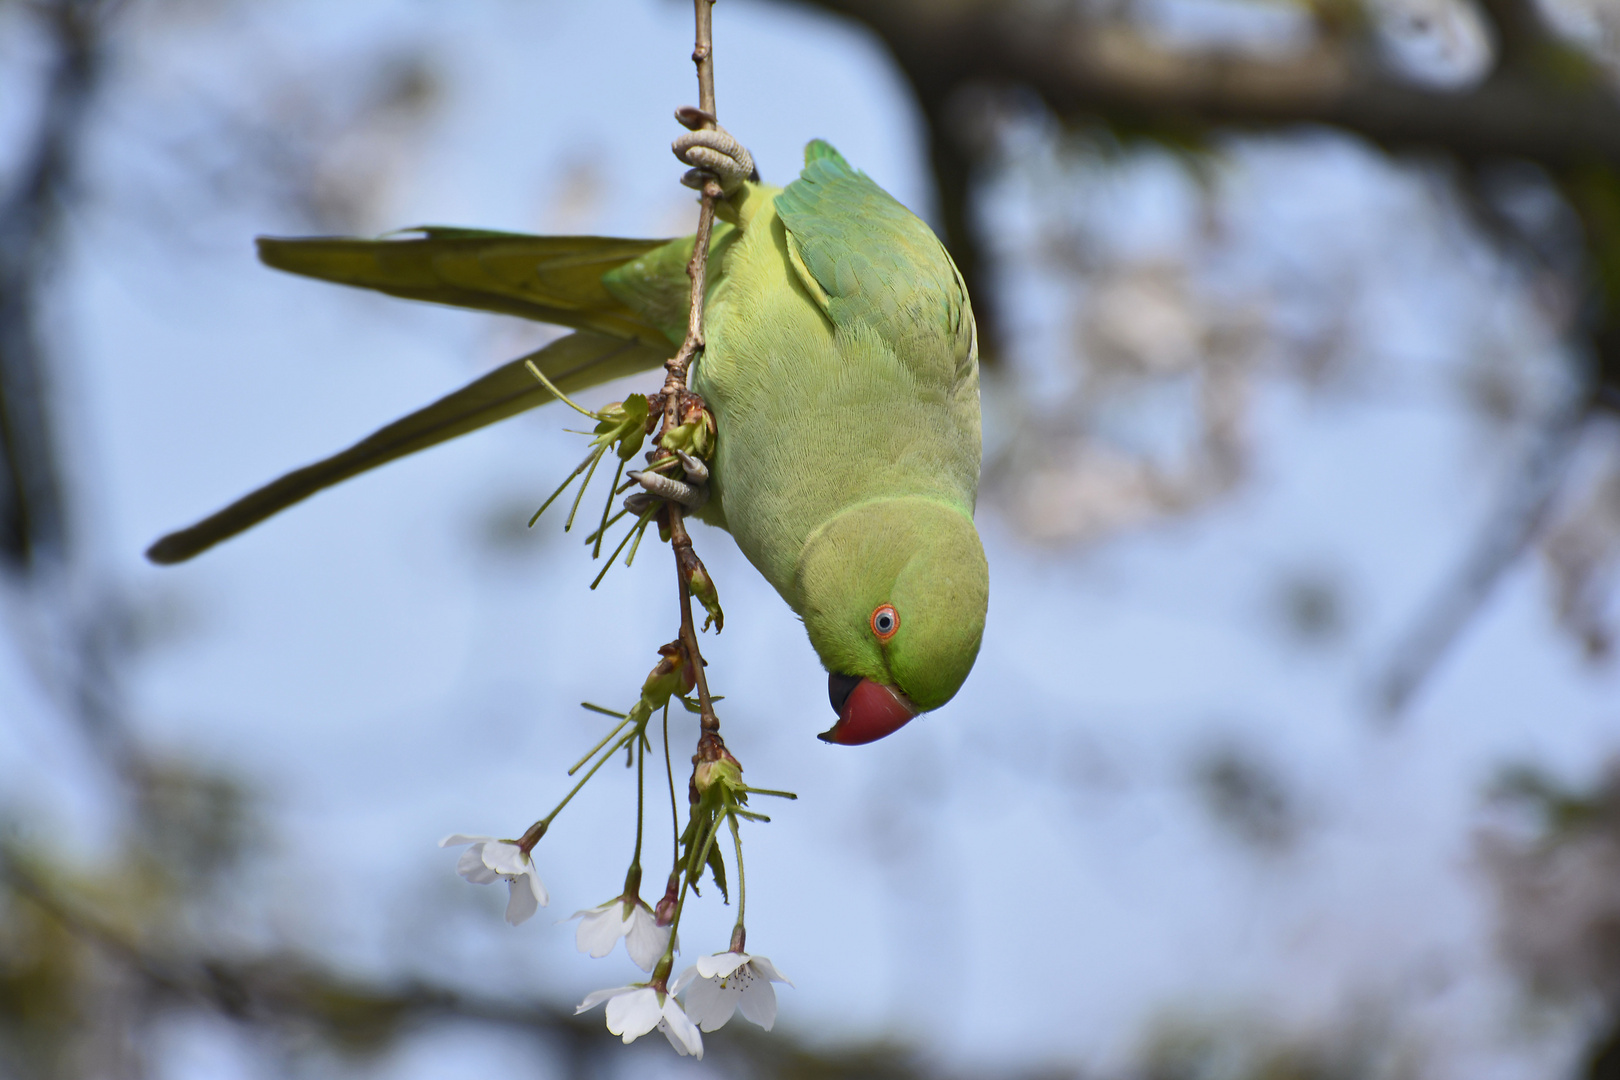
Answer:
(489, 858)
(634, 1010)
(602, 926)
(725, 982)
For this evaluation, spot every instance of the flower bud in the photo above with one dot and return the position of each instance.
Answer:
(624, 422)
(694, 434)
(725, 771)
(664, 912)
(672, 675)
(702, 587)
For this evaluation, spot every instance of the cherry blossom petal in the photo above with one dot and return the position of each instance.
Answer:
(471, 866)
(679, 1029)
(596, 997)
(674, 1040)
(710, 1005)
(758, 1002)
(506, 859)
(600, 928)
(767, 970)
(646, 940)
(719, 965)
(523, 900)
(538, 887)
(634, 1014)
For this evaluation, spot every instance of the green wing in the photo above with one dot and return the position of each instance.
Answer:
(655, 285)
(869, 262)
(554, 279)
(574, 363)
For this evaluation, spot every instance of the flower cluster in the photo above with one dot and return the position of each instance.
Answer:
(706, 995)
(716, 987)
(488, 859)
(630, 919)
(719, 985)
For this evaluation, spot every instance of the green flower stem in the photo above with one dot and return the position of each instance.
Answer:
(667, 962)
(669, 771)
(595, 460)
(641, 761)
(558, 394)
(641, 527)
(742, 876)
(767, 791)
(546, 821)
(589, 459)
(623, 721)
(607, 508)
(635, 530)
(612, 521)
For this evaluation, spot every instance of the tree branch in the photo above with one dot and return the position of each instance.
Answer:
(1081, 66)
(676, 398)
(32, 511)
(1085, 68)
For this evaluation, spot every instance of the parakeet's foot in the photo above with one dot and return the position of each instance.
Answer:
(714, 152)
(690, 493)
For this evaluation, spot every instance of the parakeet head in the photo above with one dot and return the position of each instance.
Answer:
(893, 593)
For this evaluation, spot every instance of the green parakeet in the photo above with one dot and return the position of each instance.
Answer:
(842, 370)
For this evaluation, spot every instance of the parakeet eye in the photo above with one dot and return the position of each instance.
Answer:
(885, 621)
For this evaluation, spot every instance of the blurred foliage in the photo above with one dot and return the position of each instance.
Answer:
(1558, 885)
(92, 963)
(1235, 1048)
(1248, 797)
(1556, 873)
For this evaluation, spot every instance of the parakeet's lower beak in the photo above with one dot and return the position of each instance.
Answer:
(866, 710)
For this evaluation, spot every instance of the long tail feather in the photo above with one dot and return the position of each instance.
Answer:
(554, 279)
(573, 363)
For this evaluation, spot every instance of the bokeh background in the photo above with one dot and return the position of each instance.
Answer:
(1289, 752)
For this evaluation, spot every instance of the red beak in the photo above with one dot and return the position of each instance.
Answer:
(867, 712)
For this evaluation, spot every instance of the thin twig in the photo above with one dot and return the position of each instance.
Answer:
(675, 394)
(708, 721)
(697, 269)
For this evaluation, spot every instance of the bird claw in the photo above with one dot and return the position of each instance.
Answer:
(714, 152)
(696, 471)
(692, 492)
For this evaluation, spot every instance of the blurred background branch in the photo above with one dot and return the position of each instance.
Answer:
(33, 506)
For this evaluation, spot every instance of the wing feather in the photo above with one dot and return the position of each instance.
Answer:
(554, 279)
(869, 262)
(574, 363)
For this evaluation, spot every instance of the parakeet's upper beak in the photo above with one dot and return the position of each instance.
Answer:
(866, 710)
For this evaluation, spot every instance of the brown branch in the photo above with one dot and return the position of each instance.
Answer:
(682, 543)
(676, 397)
(1083, 66)
(1086, 68)
(697, 268)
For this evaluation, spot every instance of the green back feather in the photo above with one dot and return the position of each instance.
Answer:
(872, 265)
